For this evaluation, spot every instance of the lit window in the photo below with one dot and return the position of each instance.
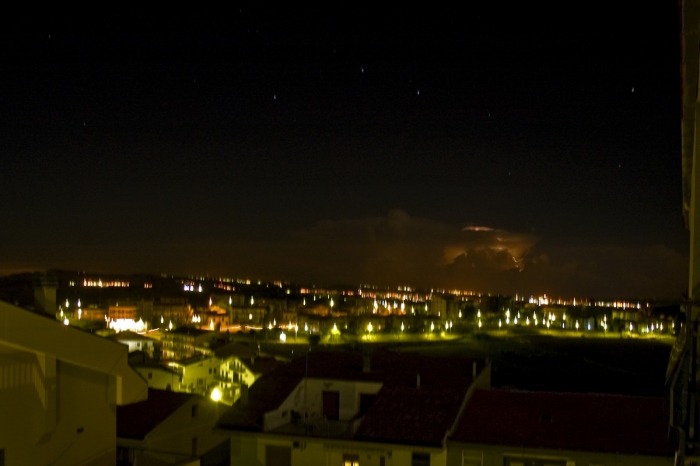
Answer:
(351, 460)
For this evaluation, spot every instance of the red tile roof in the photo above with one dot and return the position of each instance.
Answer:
(411, 415)
(234, 349)
(434, 406)
(136, 420)
(567, 421)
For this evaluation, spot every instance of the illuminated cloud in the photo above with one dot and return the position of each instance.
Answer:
(398, 249)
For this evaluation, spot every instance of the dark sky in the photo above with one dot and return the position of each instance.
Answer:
(349, 145)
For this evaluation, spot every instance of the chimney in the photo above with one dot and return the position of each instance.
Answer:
(244, 394)
(474, 369)
(417, 380)
(45, 286)
(366, 363)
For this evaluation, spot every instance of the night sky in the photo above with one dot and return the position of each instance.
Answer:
(348, 145)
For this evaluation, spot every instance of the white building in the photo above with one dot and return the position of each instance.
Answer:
(59, 387)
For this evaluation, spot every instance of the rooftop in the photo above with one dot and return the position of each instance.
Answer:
(235, 349)
(427, 412)
(567, 421)
(135, 421)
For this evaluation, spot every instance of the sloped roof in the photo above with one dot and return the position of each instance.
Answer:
(260, 365)
(411, 415)
(135, 421)
(434, 405)
(567, 421)
(234, 349)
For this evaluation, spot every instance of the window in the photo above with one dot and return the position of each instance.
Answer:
(194, 411)
(351, 460)
(420, 459)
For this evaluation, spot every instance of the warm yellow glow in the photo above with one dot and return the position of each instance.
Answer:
(499, 323)
(252, 300)
(122, 325)
(515, 321)
(216, 394)
(508, 313)
(527, 321)
(369, 327)
(432, 326)
(269, 326)
(211, 324)
(630, 326)
(250, 316)
(402, 327)
(332, 303)
(507, 321)
(478, 314)
(283, 337)
(460, 314)
(78, 303)
(67, 303)
(335, 330)
(171, 325)
(479, 323)
(577, 325)
(229, 300)
(564, 317)
(306, 327)
(65, 321)
(80, 313)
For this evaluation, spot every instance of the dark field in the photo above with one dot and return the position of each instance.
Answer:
(528, 361)
(535, 362)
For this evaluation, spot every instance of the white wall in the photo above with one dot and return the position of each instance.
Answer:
(44, 403)
(493, 456)
(175, 434)
(307, 397)
(249, 449)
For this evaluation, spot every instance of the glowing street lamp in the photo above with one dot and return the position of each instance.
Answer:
(432, 326)
(216, 395)
(369, 327)
(283, 337)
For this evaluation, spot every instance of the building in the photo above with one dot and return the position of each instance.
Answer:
(182, 342)
(59, 387)
(346, 409)
(169, 428)
(509, 428)
(160, 377)
(136, 342)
